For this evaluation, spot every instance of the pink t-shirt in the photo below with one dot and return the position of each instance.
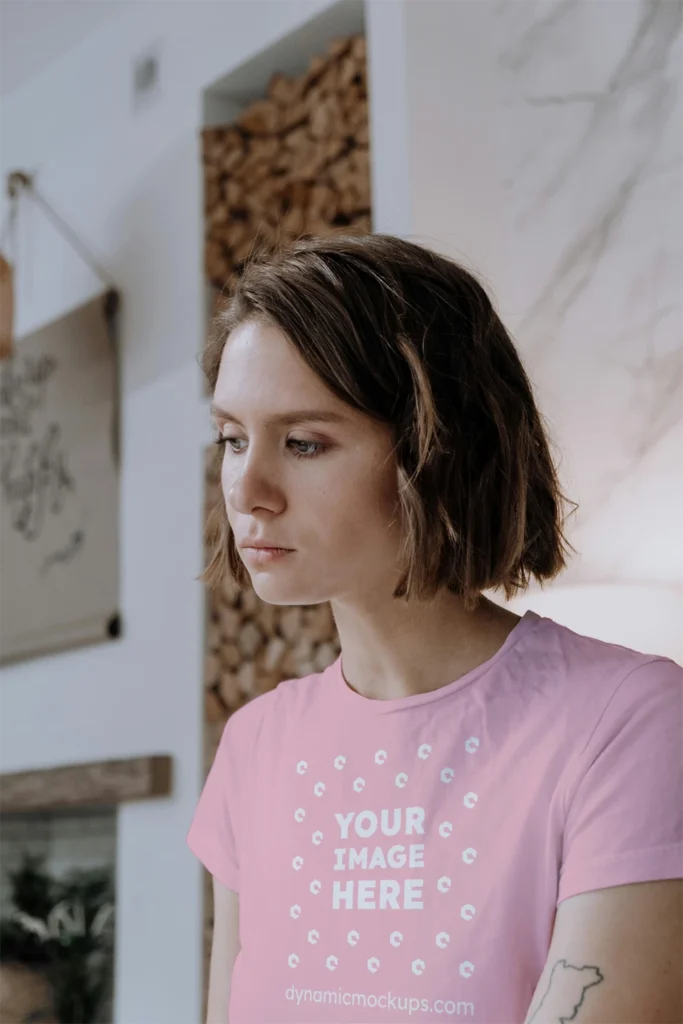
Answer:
(402, 860)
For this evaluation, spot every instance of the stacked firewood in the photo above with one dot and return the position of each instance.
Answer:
(295, 162)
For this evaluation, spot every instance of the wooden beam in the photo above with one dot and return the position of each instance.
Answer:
(96, 784)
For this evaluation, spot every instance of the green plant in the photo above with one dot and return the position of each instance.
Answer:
(64, 926)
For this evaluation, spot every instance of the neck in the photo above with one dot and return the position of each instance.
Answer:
(401, 648)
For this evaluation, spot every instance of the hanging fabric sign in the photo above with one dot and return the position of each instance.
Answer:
(59, 486)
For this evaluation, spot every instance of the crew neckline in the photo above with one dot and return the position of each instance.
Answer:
(369, 705)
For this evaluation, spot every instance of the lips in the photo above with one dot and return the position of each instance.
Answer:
(265, 556)
(262, 546)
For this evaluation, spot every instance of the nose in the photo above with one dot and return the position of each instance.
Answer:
(252, 487)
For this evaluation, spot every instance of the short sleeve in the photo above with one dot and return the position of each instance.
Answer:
(212, 834)
(624, 821)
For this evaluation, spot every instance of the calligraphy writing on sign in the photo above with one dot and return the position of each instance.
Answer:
(34, 476)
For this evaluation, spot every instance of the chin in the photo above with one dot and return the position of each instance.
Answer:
(279, 592)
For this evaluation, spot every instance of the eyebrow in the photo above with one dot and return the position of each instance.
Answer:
(286, 418)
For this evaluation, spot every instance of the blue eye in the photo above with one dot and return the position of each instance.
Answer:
(317, 447)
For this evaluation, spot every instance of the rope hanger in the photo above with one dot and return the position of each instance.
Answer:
(19, 181)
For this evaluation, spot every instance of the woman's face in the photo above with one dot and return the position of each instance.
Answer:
(323, 486)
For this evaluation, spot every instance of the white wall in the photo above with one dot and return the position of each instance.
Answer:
(130, 185)
(433, 90)
(35, 34)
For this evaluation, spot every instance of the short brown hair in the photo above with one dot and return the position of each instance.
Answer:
(410, 338)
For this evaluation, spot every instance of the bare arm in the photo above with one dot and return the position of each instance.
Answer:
(224, 949)
(616, 956)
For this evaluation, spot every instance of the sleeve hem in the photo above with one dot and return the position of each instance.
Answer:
(650, 865)
(226, 876)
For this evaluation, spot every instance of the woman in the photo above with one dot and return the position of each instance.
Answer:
(390, 839)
